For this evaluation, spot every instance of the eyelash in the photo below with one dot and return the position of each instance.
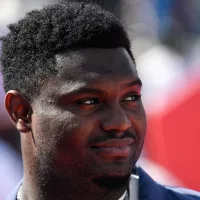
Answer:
(82, 101)
(79, 102)
(136, 96)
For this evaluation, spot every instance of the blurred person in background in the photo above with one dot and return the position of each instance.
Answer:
(10, 158)
(11, 169)
(79, 112)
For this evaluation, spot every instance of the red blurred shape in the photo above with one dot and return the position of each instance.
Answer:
(173, 138)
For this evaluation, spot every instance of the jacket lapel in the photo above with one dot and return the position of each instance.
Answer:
(149, 189)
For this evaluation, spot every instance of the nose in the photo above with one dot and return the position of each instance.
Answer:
(115, 120)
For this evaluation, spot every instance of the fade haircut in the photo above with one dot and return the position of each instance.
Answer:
(29, 49)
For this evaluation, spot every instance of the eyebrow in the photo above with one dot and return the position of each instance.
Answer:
(88, 91)
(133, 83)
(100, 92)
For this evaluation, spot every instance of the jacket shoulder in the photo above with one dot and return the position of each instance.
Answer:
(178, 193)
(150, 189)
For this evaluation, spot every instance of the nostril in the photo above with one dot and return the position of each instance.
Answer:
(115, 120)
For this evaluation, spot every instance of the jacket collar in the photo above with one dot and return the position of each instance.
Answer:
(148, 188)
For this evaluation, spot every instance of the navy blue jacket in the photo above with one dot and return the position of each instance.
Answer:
(150, 190)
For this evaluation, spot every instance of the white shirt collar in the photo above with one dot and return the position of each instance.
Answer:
(133, 189)
(123, 196)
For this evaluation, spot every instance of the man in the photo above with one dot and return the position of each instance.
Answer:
(73, 93)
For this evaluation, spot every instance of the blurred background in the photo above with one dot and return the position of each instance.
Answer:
(165, 36)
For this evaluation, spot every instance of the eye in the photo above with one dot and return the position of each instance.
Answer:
(91, 101)
(132, 97)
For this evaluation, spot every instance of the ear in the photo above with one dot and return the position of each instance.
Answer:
(19, 111)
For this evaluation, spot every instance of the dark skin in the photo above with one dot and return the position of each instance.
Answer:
(84, 132)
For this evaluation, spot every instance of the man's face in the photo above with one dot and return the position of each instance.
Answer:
(89, 119)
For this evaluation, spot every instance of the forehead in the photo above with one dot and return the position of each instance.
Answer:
(97, 61)
(84, 67)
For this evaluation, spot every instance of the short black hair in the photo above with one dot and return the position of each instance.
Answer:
(30, 47)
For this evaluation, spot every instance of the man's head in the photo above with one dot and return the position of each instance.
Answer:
(75, 95)
(29, 49)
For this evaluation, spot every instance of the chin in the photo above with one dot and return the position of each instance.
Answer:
(112, 181)
(114, 176)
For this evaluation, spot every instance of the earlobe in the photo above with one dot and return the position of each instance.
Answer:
(22, 126)
(18, 109)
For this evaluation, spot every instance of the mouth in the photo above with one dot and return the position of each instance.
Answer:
(114, 148)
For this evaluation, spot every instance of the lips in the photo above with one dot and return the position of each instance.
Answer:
(114, 143)
(113, 149)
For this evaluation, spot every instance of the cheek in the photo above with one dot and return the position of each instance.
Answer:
(138, 119)
(140, 126)
(61, 135)
(72, 148)
(50, 128)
